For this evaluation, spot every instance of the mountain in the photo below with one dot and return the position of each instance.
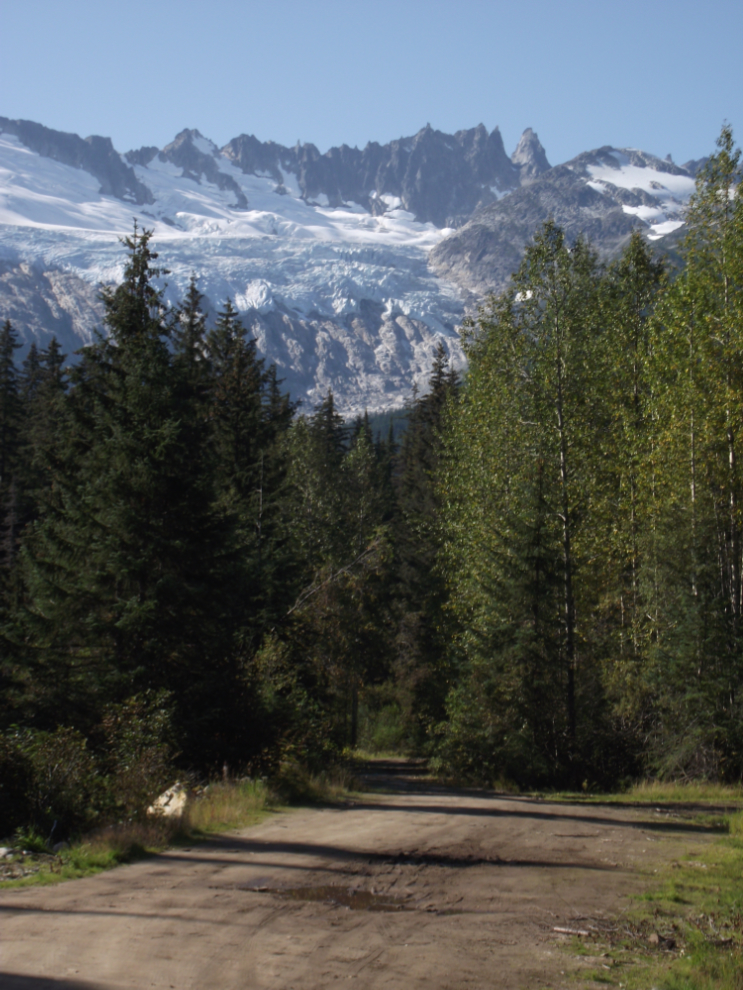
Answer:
(349, 267)
(602, 195)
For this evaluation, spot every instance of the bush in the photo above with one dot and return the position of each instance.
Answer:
(62, 785)
(139, 752)
(15, 774)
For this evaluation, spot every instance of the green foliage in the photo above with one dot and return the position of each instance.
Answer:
(138, 736)
(62, 781)
(520, 460)
(592, 533)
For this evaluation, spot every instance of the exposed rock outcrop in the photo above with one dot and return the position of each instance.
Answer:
(530, 157)
(49, 303)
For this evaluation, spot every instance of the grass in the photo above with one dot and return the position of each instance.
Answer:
(294, 785)
(685, 930)
(227, 805)
(363, 755)
(694, 792)
(99, 851)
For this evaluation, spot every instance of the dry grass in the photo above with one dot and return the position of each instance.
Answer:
(294, 785)
(221, 806)
(129, 838)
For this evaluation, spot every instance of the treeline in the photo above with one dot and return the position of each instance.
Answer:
(193, 574)
(539, 581)
(592, 520)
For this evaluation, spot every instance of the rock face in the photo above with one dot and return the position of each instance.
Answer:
(370, 358)
(94, 154)
(440, 178)
(602, 195)
(530, 157)
(43, 304)
(197, 158)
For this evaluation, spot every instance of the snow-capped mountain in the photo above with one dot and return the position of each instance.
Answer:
(348, 267)
(602, 195)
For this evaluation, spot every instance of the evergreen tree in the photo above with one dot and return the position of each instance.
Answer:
(128, 588)
(10, 438)
(419, 589)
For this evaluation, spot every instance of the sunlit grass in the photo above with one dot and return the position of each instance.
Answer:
(691, 792)
(221, 806)
(227, 805)
(694, 904)
(295, 785)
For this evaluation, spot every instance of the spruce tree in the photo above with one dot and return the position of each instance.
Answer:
(11, 416)
(126, 584)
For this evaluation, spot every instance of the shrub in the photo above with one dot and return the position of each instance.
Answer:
(63, 784)
(139, 751)
(15, 774)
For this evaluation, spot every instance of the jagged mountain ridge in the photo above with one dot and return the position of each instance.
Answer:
(602, 195)
(341, 263)
(440, 178)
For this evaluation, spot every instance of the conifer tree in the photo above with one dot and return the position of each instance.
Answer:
(126, 583)
(419, 590)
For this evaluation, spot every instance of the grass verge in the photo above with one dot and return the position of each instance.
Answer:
(219, 807)
(685, 931)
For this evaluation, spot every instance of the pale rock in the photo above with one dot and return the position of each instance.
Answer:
(171, 803)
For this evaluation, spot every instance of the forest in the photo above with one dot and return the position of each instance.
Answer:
(538, 583)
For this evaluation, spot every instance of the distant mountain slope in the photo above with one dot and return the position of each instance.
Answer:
(350, 267)
(602, 195)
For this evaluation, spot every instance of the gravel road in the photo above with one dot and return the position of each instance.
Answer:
(411, 885)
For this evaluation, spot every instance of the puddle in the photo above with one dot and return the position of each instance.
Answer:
(354, 900)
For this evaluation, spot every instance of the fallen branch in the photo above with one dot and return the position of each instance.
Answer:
(572, 931)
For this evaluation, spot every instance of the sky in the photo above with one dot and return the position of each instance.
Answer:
(661, 75)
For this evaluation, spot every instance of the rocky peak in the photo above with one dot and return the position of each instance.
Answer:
(441, 178)
(141, 156)
(94, 154)
(530, 157)
(197, 157)
(254, 157)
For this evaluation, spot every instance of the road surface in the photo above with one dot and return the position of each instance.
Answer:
(412, 885)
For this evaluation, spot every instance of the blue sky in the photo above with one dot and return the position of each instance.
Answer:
(657, 75)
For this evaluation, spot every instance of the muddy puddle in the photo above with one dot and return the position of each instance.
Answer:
(354, 900)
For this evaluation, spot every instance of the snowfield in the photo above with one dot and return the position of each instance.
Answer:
(671, 192)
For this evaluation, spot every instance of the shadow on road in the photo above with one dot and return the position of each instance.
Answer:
(12, 981)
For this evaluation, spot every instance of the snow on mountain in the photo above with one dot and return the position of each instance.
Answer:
(668, 191)
(360, 280)
(603, 195)
(345, 266)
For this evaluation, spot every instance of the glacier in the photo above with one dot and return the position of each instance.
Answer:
(336, 298)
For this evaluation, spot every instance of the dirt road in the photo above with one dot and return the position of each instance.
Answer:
(411, 886)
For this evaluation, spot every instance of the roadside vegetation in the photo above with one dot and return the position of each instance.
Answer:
(684, 929)
(219, 807)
